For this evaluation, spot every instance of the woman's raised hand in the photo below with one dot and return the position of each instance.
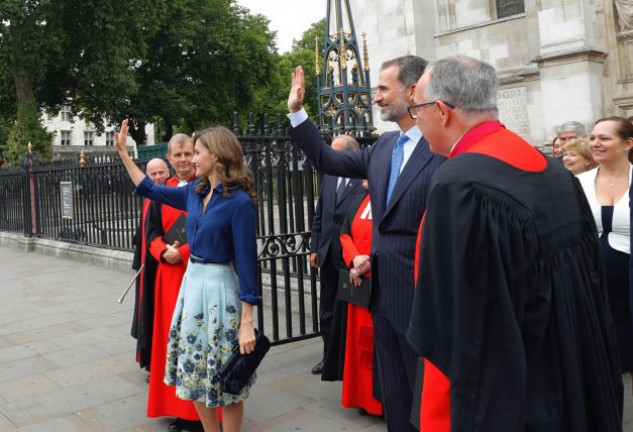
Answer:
(120, 138)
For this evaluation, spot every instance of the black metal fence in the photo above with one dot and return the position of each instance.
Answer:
(95, 205)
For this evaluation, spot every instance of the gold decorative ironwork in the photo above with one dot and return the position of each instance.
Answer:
(343, 82)
(365, 52)
(317, 67)
(343, 52)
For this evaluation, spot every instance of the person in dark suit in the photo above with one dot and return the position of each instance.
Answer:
(325, 245)
(398, 166)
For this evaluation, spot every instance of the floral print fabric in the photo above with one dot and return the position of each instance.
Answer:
(203, 333)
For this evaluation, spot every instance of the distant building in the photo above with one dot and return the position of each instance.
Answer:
(72, 135)
(557, 60)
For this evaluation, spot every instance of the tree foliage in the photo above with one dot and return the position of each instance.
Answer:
(316, 32)
(79, 53)
(27, 129)
(181, 64)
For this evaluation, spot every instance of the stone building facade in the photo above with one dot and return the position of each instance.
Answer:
(557, 60)
(71, 135)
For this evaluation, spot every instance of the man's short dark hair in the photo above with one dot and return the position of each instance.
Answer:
(410, 70)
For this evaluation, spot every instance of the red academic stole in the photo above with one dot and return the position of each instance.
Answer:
(360, 231)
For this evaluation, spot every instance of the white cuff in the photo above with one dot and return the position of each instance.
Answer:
(298, 117)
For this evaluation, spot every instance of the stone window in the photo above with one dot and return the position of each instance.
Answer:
(66, 114)
(506, 8)
(65, 137)
(89, 137)
(109, 138)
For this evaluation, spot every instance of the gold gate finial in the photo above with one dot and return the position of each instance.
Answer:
(343, 53)
(365, 52)
(317, 68)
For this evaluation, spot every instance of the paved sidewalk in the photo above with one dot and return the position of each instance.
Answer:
(67, 360)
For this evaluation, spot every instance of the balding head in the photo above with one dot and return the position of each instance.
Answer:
(157, 170)
(345, 143)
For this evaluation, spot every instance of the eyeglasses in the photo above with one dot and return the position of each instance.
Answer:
(413, 110)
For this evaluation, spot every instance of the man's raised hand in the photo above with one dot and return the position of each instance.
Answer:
(297, 91)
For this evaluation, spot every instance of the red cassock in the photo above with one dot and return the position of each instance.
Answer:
(359, 347)
(162, 400)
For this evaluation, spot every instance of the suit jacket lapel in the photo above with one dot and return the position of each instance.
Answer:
(419, 158)
(351, 184)
(329, 187)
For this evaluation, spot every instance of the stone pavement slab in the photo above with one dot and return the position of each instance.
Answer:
(67, 360)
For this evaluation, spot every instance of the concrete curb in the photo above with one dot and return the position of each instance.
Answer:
(109, 258)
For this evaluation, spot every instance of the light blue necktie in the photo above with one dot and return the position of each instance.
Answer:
(396, 162)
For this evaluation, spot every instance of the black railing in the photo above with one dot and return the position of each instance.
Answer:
(95, 205)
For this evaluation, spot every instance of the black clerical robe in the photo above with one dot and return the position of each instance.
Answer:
(510, 311)
(143, 318)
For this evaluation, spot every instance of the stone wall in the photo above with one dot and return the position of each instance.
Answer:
(561, 60)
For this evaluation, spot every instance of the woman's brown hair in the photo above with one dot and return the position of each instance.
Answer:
(230, 167)
(624, 128)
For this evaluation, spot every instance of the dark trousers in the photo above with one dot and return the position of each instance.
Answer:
(328, 273)
(396, 374)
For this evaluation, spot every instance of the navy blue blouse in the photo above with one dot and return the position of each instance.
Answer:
(224, 233)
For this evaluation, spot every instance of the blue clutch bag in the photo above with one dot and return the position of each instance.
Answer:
(239, 368)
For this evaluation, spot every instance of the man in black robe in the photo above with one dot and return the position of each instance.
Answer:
(143, 318)
(510, 313)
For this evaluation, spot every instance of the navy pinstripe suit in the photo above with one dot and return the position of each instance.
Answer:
(393, 248)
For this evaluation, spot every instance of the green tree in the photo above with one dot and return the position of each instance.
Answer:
(80, 53)
(302, 53)
(307, 39)
(208, 59)
(27, 129)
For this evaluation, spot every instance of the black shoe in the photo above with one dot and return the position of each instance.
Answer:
(192, 426)
(147, 379)
(362, 412)
(177, 425)
(318, 368)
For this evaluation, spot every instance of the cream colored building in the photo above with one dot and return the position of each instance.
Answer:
(71, 135)
(557, 60)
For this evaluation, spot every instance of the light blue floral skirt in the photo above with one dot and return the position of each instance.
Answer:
(203, 330)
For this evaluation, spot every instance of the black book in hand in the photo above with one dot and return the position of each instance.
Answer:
(177, 232)
(360, 296)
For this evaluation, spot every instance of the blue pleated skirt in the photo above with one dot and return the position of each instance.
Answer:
(203, 331)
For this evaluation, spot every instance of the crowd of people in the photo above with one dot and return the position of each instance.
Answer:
(520, 316)
(496, 278)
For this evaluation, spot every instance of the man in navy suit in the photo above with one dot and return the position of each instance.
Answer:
(398, 200)
(325, 245)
